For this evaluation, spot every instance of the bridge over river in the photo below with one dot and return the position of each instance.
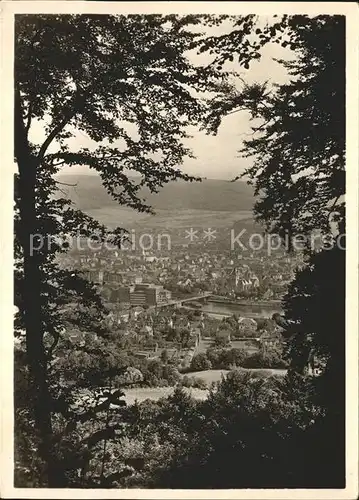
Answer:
(220, 307)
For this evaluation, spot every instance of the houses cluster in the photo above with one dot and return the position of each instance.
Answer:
(184, 271)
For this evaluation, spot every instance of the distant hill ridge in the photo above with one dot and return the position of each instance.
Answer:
(210, 194)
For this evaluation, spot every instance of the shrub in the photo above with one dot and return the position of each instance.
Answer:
(171, 374)
(265, 360)
(187, 381)
(199, 383)
(200, 362)
(225, 359)
(162, 382)
(195, 382)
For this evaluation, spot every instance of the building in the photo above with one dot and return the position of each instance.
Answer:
(142, 294)
(133, 277)
(124, 293)
(110, 277)
(150, 295)
(137, 296)
(94, 275)
(247, 324)
(269, 341)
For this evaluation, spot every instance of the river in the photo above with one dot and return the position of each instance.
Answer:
(221, 309)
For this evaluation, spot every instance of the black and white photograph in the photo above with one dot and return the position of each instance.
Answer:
(181, 180)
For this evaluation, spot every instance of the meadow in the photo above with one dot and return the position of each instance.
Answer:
(113, 216)
(140, 394)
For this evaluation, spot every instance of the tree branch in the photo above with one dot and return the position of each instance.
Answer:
(59, 163)
(66, 184)
(29, 117)
(53, 345)
(256, 129)
(243, 108)
(236, 110)
(22, 149)
(54, 133)
(333, 206)
(69, 114)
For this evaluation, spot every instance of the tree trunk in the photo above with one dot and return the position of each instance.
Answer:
(35, 350)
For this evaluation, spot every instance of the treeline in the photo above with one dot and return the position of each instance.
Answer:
(228, 358)
(252, 431)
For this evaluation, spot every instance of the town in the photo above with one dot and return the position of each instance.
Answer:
(182, 303)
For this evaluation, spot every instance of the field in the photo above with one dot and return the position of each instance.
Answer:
(209, 376)
(88, 193)
(155, 393)
(113, 216)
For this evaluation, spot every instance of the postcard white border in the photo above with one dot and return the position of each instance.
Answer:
(7, 11)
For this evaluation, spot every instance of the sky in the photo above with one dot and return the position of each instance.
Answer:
(216, 155)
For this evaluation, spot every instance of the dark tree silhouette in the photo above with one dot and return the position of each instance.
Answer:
(89, 74)
(298, 141)
(95, 75)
